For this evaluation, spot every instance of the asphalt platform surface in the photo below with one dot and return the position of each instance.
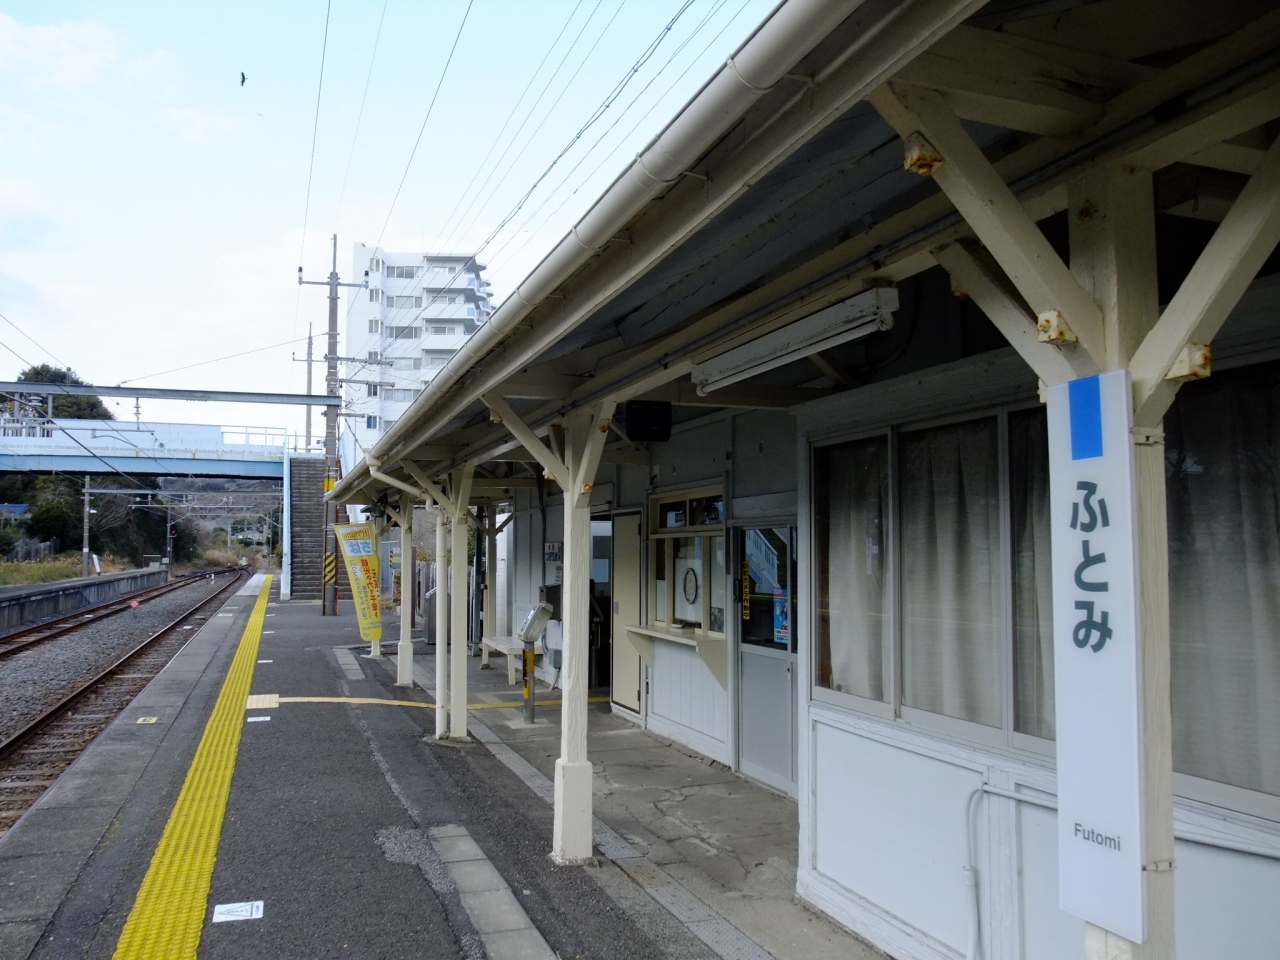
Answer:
(327, 822)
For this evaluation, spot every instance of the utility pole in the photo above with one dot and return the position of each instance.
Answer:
(310, 341)
(329, 602)
(84, 549)
(168, 535)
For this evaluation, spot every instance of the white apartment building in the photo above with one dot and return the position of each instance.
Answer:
(417, 311)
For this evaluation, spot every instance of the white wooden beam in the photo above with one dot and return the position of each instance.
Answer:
(991, 210)
(538, 386)
(552, 464)
(833, 371)
(460, 486)
(974, 272)
(593, 447)
(1211, 290)
(397, 484)
(428, 487)
(682, 393)
(502, 483)
(1231, 157)
(1260, 106)
(1021, 83)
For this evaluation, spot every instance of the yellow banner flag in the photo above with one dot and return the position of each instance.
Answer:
(361, 557)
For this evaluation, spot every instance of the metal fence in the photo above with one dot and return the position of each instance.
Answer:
(25, 550)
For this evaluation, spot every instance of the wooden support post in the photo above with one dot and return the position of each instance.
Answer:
(571, 839)
(1112, 229)
(1112, 223)
(442, 624)
(459, 582)
(404, 649)
(572, 463)
(458, 629)
(491, 573)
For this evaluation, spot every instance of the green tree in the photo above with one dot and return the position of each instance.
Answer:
(70, 408)
(56, 514)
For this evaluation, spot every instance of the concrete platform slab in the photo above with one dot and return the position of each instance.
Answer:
(517, 945)
(474, 876)
(495, 911)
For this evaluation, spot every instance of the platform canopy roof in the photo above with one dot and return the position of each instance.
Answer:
(781, 190)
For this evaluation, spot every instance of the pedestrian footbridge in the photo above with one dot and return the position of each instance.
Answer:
(142, 448)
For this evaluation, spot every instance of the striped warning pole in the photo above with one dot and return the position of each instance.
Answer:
(329, 590)
(331, 578)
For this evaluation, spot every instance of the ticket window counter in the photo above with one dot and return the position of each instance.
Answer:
(765, 587)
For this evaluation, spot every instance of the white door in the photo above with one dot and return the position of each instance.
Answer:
(625, 686)
(766, 573)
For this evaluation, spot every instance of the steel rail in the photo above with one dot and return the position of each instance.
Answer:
(59, 626)
(14, 742)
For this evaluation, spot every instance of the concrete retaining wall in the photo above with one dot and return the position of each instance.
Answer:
(21, 605)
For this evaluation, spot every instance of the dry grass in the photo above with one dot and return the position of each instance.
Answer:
(216, 558)
(64, 566)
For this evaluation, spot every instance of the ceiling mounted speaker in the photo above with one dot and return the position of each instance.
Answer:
(647, 421)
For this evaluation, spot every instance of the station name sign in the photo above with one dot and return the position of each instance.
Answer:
(1097, 669)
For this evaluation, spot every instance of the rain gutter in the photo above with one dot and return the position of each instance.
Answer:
(792, 29)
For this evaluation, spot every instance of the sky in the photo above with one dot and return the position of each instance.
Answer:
(152, 207)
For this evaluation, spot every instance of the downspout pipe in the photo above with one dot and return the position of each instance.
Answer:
(399, 484)
(790, 32)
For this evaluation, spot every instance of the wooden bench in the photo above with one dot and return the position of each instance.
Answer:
(514, 650)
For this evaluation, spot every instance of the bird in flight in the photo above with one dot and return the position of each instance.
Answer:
(242, 78)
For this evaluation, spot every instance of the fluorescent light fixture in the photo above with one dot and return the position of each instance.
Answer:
(850, 319)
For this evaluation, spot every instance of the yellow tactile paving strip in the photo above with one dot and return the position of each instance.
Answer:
(168, 915)
(267, 701)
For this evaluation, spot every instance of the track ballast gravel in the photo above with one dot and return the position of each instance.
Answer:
(32, 681)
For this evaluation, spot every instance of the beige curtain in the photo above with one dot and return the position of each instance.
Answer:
(1223, 450)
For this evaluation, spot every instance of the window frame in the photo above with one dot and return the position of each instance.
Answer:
(1004, 736)
(663, 538)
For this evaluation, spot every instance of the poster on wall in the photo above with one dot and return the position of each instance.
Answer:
(359, 553)
(1097, 671)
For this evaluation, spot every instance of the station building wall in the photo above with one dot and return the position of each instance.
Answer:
(885, 783)
(895, 753)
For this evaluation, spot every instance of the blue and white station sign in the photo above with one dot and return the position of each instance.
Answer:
(1097, 670)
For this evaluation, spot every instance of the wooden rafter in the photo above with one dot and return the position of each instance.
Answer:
(991, 210)
(975, 273)
(1211, 290)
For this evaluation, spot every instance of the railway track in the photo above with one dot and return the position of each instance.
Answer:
(33, 758)
(28, 636)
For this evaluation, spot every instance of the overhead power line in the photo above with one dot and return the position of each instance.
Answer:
(515, 137)
(33, 340)
(497, 259)
(17, 354)
(355, 137)
(230, 356)
(315, 129)
(431, 106)
(503, 129)
(596, 115)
